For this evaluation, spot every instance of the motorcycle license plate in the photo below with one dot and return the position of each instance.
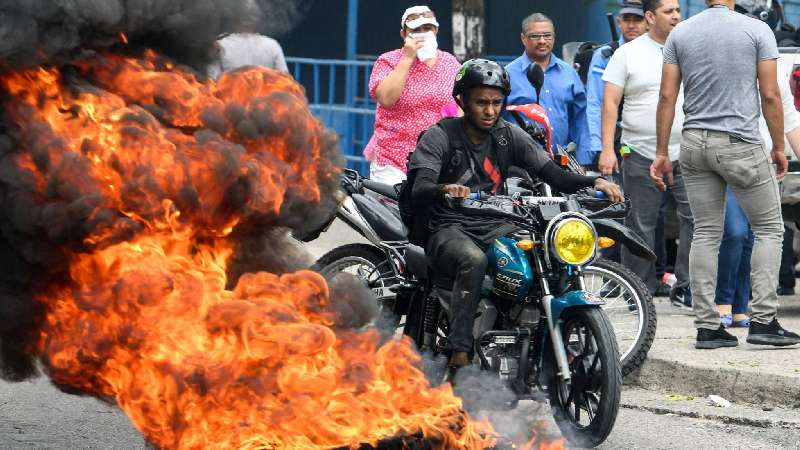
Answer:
(381, 292)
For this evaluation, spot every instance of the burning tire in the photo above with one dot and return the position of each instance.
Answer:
(585, 407)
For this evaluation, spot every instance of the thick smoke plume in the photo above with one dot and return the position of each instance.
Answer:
(33, 32)
(56, 209)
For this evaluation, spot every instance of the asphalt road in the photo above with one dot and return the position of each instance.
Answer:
(34, 415)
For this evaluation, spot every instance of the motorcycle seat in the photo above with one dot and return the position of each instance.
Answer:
(386, 190)
(384, 220)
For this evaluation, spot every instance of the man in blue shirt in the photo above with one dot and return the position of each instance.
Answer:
(630, 19)
(563, 96)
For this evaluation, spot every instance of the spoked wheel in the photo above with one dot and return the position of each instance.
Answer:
(629, 306)
(585, 407)
(368, 264)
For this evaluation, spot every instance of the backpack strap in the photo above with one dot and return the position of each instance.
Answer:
(455, 146)
(502, 143)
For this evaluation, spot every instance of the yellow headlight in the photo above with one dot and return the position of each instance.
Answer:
(574, 241)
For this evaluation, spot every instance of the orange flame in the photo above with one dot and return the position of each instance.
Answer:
(123, 38)
(152, 153)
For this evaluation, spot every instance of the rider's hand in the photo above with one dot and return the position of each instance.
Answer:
(456, 190)
(612, 191)
(781, 163)
(660, 170)
(607, 163)
(412, 45)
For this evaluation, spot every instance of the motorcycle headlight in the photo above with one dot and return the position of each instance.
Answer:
(574, 241)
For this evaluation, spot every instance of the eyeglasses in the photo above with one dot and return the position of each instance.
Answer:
(537, 36)
(416, 16)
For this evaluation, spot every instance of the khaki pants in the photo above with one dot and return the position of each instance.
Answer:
(710, 162)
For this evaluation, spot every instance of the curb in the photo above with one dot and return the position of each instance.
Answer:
(742, 386)
(730, 420)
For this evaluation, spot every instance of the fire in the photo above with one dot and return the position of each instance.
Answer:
(152, 171)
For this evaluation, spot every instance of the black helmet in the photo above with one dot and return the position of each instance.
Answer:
(481, 72)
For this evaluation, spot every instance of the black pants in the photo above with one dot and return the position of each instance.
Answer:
(457, 256)
(786, 273)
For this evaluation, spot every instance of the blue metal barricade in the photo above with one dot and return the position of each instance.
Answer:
(338, 94)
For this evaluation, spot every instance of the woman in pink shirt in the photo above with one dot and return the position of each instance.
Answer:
(414, 89)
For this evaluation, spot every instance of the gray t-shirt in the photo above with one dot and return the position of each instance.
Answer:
(718, 52)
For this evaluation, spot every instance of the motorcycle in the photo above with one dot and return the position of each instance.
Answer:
(537, 328)
(370, 208)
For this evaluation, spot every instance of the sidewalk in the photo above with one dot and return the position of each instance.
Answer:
(764, 376)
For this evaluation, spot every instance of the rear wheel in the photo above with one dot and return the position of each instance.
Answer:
(370, 265)
(628, 305)
(585, 407)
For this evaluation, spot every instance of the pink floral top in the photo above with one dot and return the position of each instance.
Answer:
(424, 101)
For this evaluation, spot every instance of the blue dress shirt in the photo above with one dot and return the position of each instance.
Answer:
(563, 97)
(594, 97)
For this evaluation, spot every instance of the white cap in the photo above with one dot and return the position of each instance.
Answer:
(419, 21)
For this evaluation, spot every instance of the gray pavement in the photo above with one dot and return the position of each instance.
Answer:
(744, 374)
(664, 405)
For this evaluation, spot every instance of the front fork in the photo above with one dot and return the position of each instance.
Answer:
(555, 332)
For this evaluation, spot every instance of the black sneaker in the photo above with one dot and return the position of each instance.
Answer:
(772, 334)
(708, 339)
(681, 297)
(662, 290)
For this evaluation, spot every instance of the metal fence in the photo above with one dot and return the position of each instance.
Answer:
(338, 94)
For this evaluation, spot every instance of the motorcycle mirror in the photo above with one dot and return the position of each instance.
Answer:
(535, 77)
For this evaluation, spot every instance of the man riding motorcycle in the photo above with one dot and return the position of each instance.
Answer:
(472, 153)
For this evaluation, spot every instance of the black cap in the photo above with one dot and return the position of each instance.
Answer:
(631, 7)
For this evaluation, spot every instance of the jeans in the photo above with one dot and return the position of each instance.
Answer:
(733, 273)
(788, 260)
(642, 218)
(455, 255)
(711, 161)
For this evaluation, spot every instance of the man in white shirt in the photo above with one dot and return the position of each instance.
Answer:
(634, 72)
(247, 49)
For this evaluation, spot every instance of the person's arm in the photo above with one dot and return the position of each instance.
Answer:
(594, 100)
(661, 169)
(280, 60)
(531, 157)
(793, 136)
(578, 130)
(391, 88)
(773, 109)
(612, 97)
(665, 112)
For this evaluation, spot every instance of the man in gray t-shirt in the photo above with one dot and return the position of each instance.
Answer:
(726, 61)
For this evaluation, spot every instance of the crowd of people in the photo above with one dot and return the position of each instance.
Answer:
(668, 117)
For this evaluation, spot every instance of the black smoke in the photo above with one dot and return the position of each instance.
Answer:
(33, 32)
(41, 227)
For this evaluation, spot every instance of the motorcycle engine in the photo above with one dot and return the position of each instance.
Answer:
(503, 360)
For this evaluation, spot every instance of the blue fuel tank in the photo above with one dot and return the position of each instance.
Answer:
(509, 269)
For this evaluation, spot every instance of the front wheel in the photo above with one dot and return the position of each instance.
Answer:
(628, 305)
(585, 407)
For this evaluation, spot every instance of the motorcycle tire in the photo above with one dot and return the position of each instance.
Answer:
(634, 317)
(596, 378)
(374, 262)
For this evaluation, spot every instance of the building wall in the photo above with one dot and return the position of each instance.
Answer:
(322, 32)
